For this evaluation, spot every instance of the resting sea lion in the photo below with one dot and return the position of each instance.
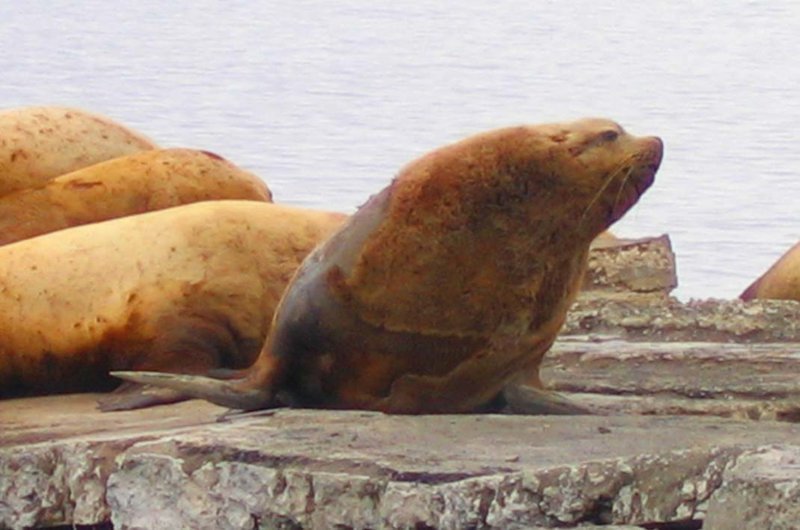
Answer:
(781, 281)
(185, 289)
(39, 143)
(450, 282)
(128, 185)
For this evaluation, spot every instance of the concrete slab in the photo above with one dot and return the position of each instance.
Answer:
(176, 467)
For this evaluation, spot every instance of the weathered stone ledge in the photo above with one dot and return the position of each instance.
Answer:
(661, 318)
(609, 375)
(635, 266)
(626, 293)
(313, 469)
(629, 351)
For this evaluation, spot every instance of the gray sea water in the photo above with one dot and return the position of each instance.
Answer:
(326, 100)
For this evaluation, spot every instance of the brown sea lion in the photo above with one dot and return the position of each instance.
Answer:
(128, 185)
(39, 143)
(186, 289)
(448, 284)
(781, 281)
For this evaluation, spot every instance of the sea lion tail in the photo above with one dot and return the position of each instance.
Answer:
(226, 393)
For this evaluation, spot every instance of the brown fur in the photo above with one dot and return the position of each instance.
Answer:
(452, 281)
(781, 281)
(41, 143)
(128, 185)
(186, 289)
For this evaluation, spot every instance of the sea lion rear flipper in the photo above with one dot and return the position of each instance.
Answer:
(130, 396)
(232, 393)
(526, 399)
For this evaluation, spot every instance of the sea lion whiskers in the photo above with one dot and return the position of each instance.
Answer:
(622, 166)
(622, 186)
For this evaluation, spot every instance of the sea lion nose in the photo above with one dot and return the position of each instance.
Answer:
(656, 147)
(659, 142)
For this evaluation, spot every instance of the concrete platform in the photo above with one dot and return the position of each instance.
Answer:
(698, 408)
(62, 462)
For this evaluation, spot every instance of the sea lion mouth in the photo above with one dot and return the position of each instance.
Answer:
(652, 157)
(638, 179)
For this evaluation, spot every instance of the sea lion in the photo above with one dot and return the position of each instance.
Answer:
(781, 281)
(128, 185)
(39, 143)
(451, 283)
(186, 289)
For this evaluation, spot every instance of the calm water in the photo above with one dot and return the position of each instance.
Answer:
(326, 100)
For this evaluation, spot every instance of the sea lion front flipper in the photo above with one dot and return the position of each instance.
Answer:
(130, 396)
(526, 399)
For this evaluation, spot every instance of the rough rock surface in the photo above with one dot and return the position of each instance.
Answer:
(677, 447)
(632, 266)
(661, 318)
(763, 488)
(609, 375)
(315, 469)
(626, 293)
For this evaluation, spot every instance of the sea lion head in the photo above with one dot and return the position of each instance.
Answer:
(589, 170)
(606, 169)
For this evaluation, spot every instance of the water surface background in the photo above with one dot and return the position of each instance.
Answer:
(326, 100)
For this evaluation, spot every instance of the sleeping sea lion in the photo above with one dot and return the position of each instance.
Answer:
(187, 289)
(128, 185)
(39, 143)
(451, 282)
(781, 281)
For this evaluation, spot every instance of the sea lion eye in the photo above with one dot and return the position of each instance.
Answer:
(609, 135)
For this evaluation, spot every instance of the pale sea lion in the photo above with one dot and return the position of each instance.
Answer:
(446, 286)
(39, 143)
(781, 281)
(186, 289)
(128, 185)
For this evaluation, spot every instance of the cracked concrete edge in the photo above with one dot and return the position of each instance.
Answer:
(145, 488)
(626, 293)
(644, 265)
(52, 484)
(746, 381)
(58, 483)
(761, 490)
(740, 409)
(657, 317)
(673, 486)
